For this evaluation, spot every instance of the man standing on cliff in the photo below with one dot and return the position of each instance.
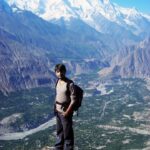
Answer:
(64, 101)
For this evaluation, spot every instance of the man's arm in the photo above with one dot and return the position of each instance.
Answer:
(69, 110)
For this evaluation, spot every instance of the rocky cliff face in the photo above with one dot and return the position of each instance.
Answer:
(131, 62)
(20, 69)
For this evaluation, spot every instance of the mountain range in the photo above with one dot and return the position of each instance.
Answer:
(124, 25)
(96, 13)
(86, 35)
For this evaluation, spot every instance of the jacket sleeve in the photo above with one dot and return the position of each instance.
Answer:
(72, 92)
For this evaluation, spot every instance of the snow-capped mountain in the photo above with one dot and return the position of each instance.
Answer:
(96, 13)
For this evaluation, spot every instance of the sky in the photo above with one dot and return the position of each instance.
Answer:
(140, 5)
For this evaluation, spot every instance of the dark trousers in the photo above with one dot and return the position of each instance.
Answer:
(64, 132)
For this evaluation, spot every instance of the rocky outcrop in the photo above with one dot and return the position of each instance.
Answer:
(131, 62)
(19, 69)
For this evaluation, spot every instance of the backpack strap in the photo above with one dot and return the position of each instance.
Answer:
(68, 86)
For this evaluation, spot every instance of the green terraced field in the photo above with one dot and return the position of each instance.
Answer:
(114, 115)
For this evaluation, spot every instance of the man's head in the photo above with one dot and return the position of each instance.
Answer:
(60, 70)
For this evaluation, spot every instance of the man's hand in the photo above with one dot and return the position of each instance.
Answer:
(69, 110)
(65, 114)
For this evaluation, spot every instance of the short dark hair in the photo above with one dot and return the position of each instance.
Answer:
(60, 68)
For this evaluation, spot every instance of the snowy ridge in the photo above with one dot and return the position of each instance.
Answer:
(90, 11)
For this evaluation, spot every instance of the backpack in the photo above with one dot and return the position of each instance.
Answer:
(79, 96)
